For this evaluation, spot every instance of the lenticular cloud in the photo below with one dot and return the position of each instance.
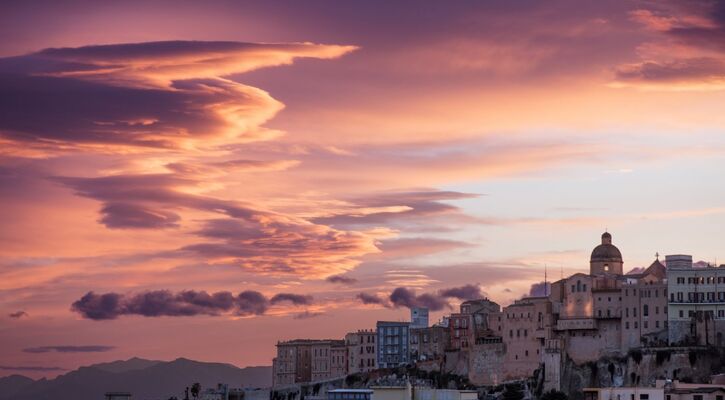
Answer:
(174, 95)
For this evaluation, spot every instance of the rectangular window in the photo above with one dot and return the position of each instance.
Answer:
(644, 396)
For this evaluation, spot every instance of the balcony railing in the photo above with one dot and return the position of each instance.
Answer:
(704, 301)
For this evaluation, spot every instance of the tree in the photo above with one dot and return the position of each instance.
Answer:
(195, 389)
(513, 392)
(554, 395)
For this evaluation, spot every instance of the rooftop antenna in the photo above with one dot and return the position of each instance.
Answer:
(546, 291)
(562, 271)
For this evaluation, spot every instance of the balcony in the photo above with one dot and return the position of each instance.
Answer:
(694, 302)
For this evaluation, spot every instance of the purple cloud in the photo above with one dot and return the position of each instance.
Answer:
(413, 206)
(250, 302)
(18, 314)
(466, 292)
(172, 93)
(367, 298)
(308, 315)
(540, 289)
(296, 299)
(69, 349)
(120, 215)
(158, 303)
(404, 297)
(346, 280)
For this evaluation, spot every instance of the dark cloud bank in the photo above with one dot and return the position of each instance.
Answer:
(160, 303)
(404, 297)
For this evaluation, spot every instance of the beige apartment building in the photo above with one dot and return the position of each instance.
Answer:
(526, 325)
(361, 351)
(472, 322)
(293, 362)
(303, 360)
(338, 359)
(644, 302)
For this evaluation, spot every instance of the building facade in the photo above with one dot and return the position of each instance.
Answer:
(302, 360)
(338, 359)
(475, 320)
(696, 309)
(362, 354)
(428, 344)
(527, 324)
(292, 364)
(393, 340)
(418, 317)
(645, 307)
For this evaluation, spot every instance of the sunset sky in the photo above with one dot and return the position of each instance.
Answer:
(203, 179)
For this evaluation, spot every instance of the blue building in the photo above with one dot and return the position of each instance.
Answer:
(393, 344)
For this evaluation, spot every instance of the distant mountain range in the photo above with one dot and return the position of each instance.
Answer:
(145, 379)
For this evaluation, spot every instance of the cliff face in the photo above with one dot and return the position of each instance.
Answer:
(642, 368)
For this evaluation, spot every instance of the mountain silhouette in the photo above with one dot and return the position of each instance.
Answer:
(145, 379)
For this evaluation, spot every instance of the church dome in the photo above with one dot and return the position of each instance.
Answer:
(606, 251)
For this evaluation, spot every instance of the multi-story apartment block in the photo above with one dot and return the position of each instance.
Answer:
(362, 354)
(644, 307)
(526, 325)
(293, 362)
(472, 322)
(393, 343)
(430, 343)
(338, 359)
(320, 365)
(696, 310)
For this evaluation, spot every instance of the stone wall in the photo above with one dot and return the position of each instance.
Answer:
(486, 364)
(642, 367)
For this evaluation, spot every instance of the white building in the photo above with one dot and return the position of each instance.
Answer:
(696, 309)
(625, 393)
(418, 317)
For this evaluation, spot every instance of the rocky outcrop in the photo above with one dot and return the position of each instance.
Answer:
(642, 367)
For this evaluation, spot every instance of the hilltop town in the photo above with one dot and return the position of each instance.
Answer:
(577, 320)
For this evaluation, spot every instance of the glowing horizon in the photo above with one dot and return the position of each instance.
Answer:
(240, 174)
